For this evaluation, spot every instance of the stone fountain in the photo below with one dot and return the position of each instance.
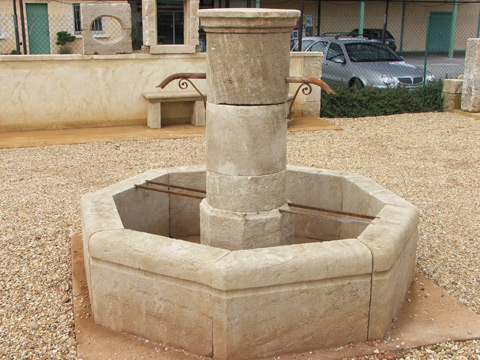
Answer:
(265, 278)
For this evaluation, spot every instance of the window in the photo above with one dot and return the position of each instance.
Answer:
(206, 4)
(319, 46)
(170, 21)
(97, 25)
(334, 51)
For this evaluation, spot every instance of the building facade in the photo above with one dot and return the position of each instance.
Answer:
(171, 26)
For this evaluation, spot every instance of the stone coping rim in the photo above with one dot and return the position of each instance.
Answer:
(249, 21)
(383, 249)
(248, 13)
(225, 270)
(80, 57)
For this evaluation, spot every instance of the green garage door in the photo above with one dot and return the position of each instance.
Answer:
(38, 33)
(440, 24)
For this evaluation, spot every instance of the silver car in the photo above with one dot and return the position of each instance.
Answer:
(360, 63)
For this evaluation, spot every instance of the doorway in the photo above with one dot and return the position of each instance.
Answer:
(38, 28)
(439, 31)
(170, 22)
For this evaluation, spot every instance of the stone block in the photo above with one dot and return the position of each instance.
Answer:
(169, 311)
(246, 193)
(191, 22)
(452, 94)
(255, 324)
(357, 198)
(452, 101)
(184, 211)
(452, 86)
(258, 322)
(99, 213)
(389, 234)
(144, 210)
(246, 140)
(154, 114)
(262, 33)
(389, 289)
(172, 49)
(233, 85)
(156, 254)
(199, 114)
(312, 66)
(284, 265)
(311, 108)
(471, 84)
(238, 231)
(120, 13)
(149, 22)
(317, 188)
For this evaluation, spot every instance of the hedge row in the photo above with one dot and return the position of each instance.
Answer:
(370, 101)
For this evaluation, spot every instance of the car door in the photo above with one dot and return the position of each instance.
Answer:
(335, 68)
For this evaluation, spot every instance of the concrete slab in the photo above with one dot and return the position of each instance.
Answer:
(428, 316)
(19, 139)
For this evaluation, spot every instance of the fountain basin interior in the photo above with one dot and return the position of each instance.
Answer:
(340, 282)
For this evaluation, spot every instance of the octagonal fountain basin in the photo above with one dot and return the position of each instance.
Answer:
(340, 282)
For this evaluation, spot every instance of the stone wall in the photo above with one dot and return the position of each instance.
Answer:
(67, 91)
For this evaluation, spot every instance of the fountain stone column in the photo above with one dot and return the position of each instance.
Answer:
(248, 61)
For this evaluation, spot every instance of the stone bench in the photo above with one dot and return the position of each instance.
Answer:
(155, 100)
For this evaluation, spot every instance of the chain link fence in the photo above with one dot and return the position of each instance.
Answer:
(408, 32)
(42, 34)
(445, 54)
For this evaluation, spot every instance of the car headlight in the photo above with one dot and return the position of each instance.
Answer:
(387, 80)
(430, 77)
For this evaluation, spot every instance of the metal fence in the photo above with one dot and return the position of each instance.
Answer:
(409, 32)
(445, 51)
(39, 35)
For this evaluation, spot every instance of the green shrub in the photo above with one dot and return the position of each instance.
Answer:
(370, 101)
(63, 38)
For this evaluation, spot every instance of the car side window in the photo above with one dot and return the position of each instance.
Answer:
(334, 51)
(319, 46)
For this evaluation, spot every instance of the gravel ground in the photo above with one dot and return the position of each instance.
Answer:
(432, 160)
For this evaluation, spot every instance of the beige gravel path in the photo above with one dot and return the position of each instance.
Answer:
(121, 133)
(432, 160)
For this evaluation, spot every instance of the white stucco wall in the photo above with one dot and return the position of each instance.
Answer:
(66, 91)
(62, 91)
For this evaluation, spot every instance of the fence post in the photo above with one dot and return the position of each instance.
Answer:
(453, 28)
(478, 26)
(426, 53)
(17, 38)
(362, 16)
(402, 26)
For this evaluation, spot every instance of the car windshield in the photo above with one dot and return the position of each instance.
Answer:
(368, 52)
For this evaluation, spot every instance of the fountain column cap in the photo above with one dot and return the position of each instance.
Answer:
(248, 20)
(248, 55)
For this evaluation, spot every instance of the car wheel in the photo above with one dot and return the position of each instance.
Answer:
(357, 84)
